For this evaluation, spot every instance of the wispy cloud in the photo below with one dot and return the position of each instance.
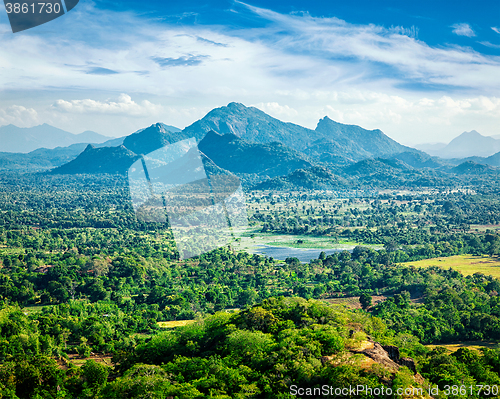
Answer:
(295, 66)
(410, 32)
(497, 30)
(100, 71)
(355, 52)
(186, 60)
(286, 50)
(491, 45)
(463, 30)
(203, 40)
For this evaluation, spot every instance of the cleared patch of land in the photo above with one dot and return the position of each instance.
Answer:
(454, 346)
(174, 324)
(79, 361)
(353, 301)
(484, 227)
(28, 310)
(465, 264)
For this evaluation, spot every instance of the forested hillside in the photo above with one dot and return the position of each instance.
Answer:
(89, 295)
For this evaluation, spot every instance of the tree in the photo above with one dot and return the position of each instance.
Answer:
(95, 375)
(365, 300)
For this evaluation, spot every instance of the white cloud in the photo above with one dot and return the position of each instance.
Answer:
(497, 30)
(358, 74)
(276, 110)
(488, 44)
(406, 119)
(155, 58)
(124, 105)
(410, 32)
(463, 30)
(364, 55)
(19, 116)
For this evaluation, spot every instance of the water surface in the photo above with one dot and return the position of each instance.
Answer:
(303, 254)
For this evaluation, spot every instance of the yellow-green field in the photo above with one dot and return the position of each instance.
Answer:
(353, 301)
(466, 264)
(484, 227)
(28, 310)
(174, 324)
(470, 345)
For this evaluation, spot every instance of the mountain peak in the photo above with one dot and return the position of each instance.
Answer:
(351, 142)
(161, 127)
(472, 133)
(469, 144)
(469, 137)
(326, 118)
(153, 137)
(251, 124)
(236, 105)
(325, 122)
(99, 160)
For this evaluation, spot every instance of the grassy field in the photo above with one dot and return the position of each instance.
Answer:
(33, 309)
(484, 227)
(353, 301)
(310, 242)
(252, 239)
(454, 346)
(466, 264)
(174, 324)
(78, 361)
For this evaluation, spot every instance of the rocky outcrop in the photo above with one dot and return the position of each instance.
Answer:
(393, 352)
(408, 362)
(379, 355)
(388, 356)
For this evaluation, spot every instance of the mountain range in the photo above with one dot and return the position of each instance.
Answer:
(330, 142)
(342, 143)
(24, 140)
(248, 142)
(264, 152)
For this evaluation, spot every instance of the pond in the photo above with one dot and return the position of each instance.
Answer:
(303, 254)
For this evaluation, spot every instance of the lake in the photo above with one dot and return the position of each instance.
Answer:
(303, 254)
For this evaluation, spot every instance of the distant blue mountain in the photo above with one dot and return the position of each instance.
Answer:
(47, 158)
(117, 159)
(24, 140)
(468, 144)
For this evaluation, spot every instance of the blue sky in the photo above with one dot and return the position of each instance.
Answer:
(420, 71)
